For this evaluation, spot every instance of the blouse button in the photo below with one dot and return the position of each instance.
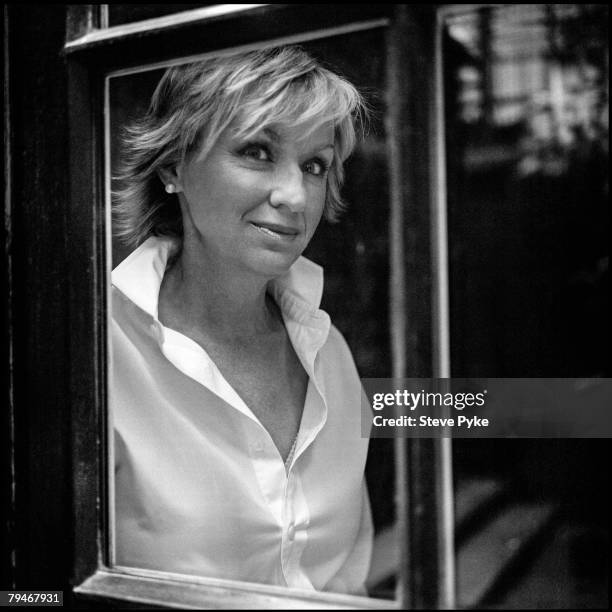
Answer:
(291, 532)
(258, 447)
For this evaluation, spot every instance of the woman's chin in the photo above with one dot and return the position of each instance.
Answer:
(270, 263)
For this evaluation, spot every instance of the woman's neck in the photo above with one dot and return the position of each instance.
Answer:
(201, 293)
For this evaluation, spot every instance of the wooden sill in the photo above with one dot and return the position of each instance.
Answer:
(173, 591)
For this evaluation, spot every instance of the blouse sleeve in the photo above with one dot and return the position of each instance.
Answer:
(351, 577)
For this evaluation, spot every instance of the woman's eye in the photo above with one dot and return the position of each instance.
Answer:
(257, 152)
(316, 167)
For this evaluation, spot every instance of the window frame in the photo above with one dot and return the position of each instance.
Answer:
(418, 310)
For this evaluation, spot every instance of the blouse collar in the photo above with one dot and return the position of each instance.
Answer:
(139, 276)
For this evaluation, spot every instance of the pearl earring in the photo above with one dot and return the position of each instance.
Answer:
(170, 188)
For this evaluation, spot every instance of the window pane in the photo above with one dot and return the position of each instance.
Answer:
(527, 164)
(353, 253)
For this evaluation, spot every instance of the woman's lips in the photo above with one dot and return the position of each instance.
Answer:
(275, 230)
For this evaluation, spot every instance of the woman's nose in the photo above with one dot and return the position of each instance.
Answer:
(288, 189)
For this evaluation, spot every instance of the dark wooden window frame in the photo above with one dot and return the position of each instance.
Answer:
(417, 309)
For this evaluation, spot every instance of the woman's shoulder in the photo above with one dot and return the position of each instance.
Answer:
(337, 338)
(337, 350)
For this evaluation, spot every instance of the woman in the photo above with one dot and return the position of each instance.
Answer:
(236, 404)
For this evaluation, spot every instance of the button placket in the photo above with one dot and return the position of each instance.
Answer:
(294, 541)
(288, 524)
(295, 521)
(267, 468)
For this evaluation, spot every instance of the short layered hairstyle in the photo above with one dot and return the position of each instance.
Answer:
(194, 103)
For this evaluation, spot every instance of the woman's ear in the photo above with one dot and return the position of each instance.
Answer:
(170, 179)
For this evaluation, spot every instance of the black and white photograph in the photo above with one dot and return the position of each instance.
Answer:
(307, 306)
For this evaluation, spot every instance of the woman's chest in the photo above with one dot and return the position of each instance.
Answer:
(272, 382)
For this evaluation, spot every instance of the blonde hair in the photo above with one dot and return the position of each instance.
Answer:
(195, 102)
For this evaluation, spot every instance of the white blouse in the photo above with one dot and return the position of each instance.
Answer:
(200, 488)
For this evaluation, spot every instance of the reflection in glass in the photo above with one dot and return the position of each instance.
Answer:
(284, 524)
(527, 165)
(119, 14)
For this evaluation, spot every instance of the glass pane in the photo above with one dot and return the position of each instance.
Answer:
(527, 163)
(354, 255)
(127, 13)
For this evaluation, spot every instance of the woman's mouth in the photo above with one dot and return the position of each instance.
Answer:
(275, 230)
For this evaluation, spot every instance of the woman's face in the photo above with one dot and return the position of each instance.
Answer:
(255, 203)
